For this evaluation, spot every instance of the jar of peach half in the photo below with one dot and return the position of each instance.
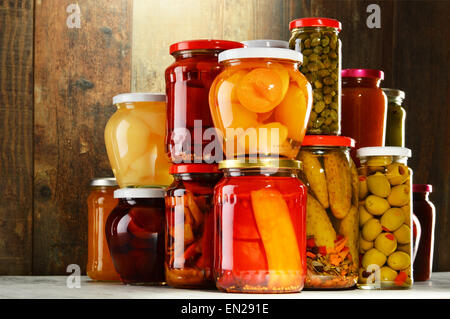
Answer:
(260, 103)
(134, 139)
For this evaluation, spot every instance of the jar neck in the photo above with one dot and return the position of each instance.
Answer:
(185, 54)
(383, 160)
(395, 100)
(422, 196)
(315, 29)
(284, 62)
(140, 201)
(361, 82)
(269, 172)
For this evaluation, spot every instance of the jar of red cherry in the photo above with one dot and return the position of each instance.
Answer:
(188, 81)
(135, 232)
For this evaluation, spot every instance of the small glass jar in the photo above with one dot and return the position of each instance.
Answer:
(396, 116)
(260, 103)
(188, 80)
(100, 203)
(364, 108)
(260, 212)
(263, 43)
(134, 139)
(426, 213)
(318, 40)
(385, 218)
(135, 231)
(190, 225)
(332, 216)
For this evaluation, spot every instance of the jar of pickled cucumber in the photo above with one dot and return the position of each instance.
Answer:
(395, 120)
(332, 228)
(134, 139)
(385, 218)
(318, 40)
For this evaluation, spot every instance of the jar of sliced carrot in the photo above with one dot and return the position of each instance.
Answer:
(260, 102)
(260, 212)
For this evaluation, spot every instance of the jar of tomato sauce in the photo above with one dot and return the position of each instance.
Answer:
(260, 212)
(261, 102)
(364, 108)
(188, 81)
(100, 203)
(190, 225)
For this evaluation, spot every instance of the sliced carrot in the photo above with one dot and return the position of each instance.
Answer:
(310, 255)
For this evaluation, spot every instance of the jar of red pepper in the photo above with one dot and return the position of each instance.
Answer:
(190, 225)
(260, 212)
(188, 81)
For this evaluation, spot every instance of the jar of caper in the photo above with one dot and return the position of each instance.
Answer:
(318, 40)
(395, 121)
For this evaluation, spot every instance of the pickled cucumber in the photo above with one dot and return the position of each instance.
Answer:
(371, 229)
(376, 205)
(386, 243)
(399, 260)
(373, 256)
(392, 219)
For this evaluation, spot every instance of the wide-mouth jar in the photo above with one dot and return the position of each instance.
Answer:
(260, 215)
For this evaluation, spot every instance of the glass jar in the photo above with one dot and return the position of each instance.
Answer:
(396, 116)
(260, 102)
(134, 139)
(318, 40)
(260, 212)
(332, 216)
(266, 44)
(135, 231)
(385, 218)
(364, 108)
(190, 225)
(188, 81)
(426, 213)
(100, 203)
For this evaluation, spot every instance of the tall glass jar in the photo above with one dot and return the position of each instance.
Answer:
(260, 212)
(364, 108)
(188, 80)
(135, 231)
(260, 102)
(134, 139)
(318, 40)
(332, 216)
(426, 213)
(396, 116)
(189, 258)
(100, 203)
(385, 218)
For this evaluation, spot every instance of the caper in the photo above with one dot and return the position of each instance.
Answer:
(313, 66)
(307, 43)
(328, 121)
(332, 55)
(313, 57)
(334, 106)
(333, 115)
(327, 98)
(315, 42)
(326, 50)
(323, 73)
(325, 41)
(318, 84)
(318, 49)
(319, 106)
(327, 89)
(325, 128)
(312, 116)
(307, 52)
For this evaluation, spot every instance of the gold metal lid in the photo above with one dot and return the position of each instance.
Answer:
(261, 163)
(103, 181)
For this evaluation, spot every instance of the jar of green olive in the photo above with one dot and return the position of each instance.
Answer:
(395, 121)
(318, 40)
(385, 218)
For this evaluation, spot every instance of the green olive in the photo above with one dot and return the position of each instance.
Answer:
(392, 219)
(373, 256)
(386, 243)
(406, 248)
(379, 185)
(365, 245)
(400, 195)
(364, 215)
(397, 173)
(376, 205)
(363, 189)
(399, 260)
(407, 212)
(403, 234)
(387, 274)
(371, 229)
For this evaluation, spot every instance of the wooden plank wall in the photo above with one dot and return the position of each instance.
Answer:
(56, 143)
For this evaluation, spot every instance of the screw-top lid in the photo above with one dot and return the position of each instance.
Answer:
(139, 193)
(328, 140)
(422, 188)
(204, 44)
(394, 94)
(266, 44)
(315, 22)
(384, 151)
(270, 53)
(362, 73)
(139, 97)
(261, 163)
(103, 181)
(193, 168)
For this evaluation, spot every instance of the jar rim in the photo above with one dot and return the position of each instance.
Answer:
(261, 163)
(205, 44)
(261, 52)
(140, 193)
(265, 43)
(103, 181)
(139, 97)
(328, 140)
(315, 22)
(193, 168)
(362, 73)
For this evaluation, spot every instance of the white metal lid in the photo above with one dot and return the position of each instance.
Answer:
(263, 43)
(270, 53)
(103, 181)
(139, 97)
(384, 151)
(140, 193)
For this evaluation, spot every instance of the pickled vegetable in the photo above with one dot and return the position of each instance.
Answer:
(399, 260)
(376, 205)
(364, 215)
(386, 243)
(373, 256)
(371, 229)
(315, 174)
(403, 234)
(379, 185)
(400, 195)
(392, 219)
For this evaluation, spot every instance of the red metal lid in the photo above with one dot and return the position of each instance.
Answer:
(315, 22)
(204, 44)
(422, 188)
(328, 140)
(193, 168)
(362, 73)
